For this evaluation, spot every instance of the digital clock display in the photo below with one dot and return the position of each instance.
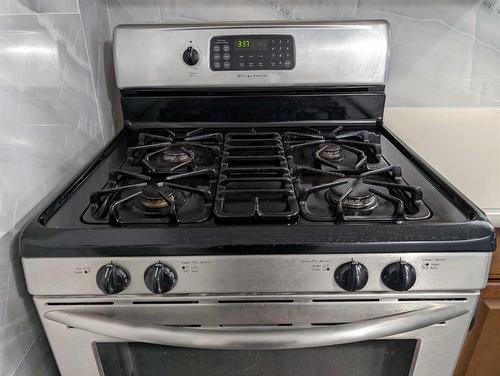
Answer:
(243, 43)
(251, 44)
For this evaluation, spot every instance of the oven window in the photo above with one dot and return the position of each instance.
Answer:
(369, 358)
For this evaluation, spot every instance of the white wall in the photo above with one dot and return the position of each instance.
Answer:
(56, 106)
(59, 106)
(462, 144)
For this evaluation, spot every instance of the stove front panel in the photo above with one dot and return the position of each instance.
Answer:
(257, 273)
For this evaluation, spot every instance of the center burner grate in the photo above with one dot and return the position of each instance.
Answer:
(255, 181)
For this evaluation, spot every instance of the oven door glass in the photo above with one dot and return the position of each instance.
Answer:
(369, 358)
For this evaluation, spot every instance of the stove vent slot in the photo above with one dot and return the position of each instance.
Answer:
(254, 325)
(160, 302)
(432, 299)
(242, 301)
(327, 323)
(343, 300)
(79, 303)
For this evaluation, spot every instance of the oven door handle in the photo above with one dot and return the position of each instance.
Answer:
(257, 338)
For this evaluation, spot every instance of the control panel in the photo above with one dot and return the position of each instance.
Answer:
(217, 274)
(252, 52)
(160, 278)
(266, 54)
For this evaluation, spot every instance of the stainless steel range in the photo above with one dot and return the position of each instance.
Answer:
(255, 217)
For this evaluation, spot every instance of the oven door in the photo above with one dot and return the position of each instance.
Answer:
(293, 335)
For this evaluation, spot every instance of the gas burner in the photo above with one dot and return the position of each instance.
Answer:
(174, 156)
(165, 152)
(335, 157)
(375, 195)
(353, 194)
(331, 152)
(151, 197)
(327, 156)
(181, 157)
(170, 158)
(132, 198)
(157, 201)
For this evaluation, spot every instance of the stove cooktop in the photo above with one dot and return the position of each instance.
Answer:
(252, 175)
(287, 188)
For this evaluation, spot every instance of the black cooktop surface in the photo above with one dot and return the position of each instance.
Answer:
(275, 188)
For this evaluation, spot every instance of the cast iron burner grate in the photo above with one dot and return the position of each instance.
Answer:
(171, 154)
(255, 182)
(379, 195)
(338, 176)
(332, 150)
(133, 198)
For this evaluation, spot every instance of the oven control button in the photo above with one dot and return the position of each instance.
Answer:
(399, 276)
(191, 56)
(112, 279)
(351, 276)
(160, 278)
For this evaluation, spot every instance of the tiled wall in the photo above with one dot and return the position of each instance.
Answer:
(445, 53)
(57, 98)
(59, 105)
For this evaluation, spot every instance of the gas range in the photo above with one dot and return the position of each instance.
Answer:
(275, 184)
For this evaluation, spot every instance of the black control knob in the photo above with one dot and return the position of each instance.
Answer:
(351, 276)
(399, 276)
(160, 278)
(112, 279)
(191, 56)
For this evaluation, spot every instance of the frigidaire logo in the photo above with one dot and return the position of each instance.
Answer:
(242, 75)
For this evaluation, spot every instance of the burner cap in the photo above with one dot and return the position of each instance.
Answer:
(331, 152)
(176, 155)
(152, 199)
(359, 199)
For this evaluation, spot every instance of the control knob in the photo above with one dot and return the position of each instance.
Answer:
(112, 279)
(160, 278)
(351, 276)
(191, 56)
(399, 276)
